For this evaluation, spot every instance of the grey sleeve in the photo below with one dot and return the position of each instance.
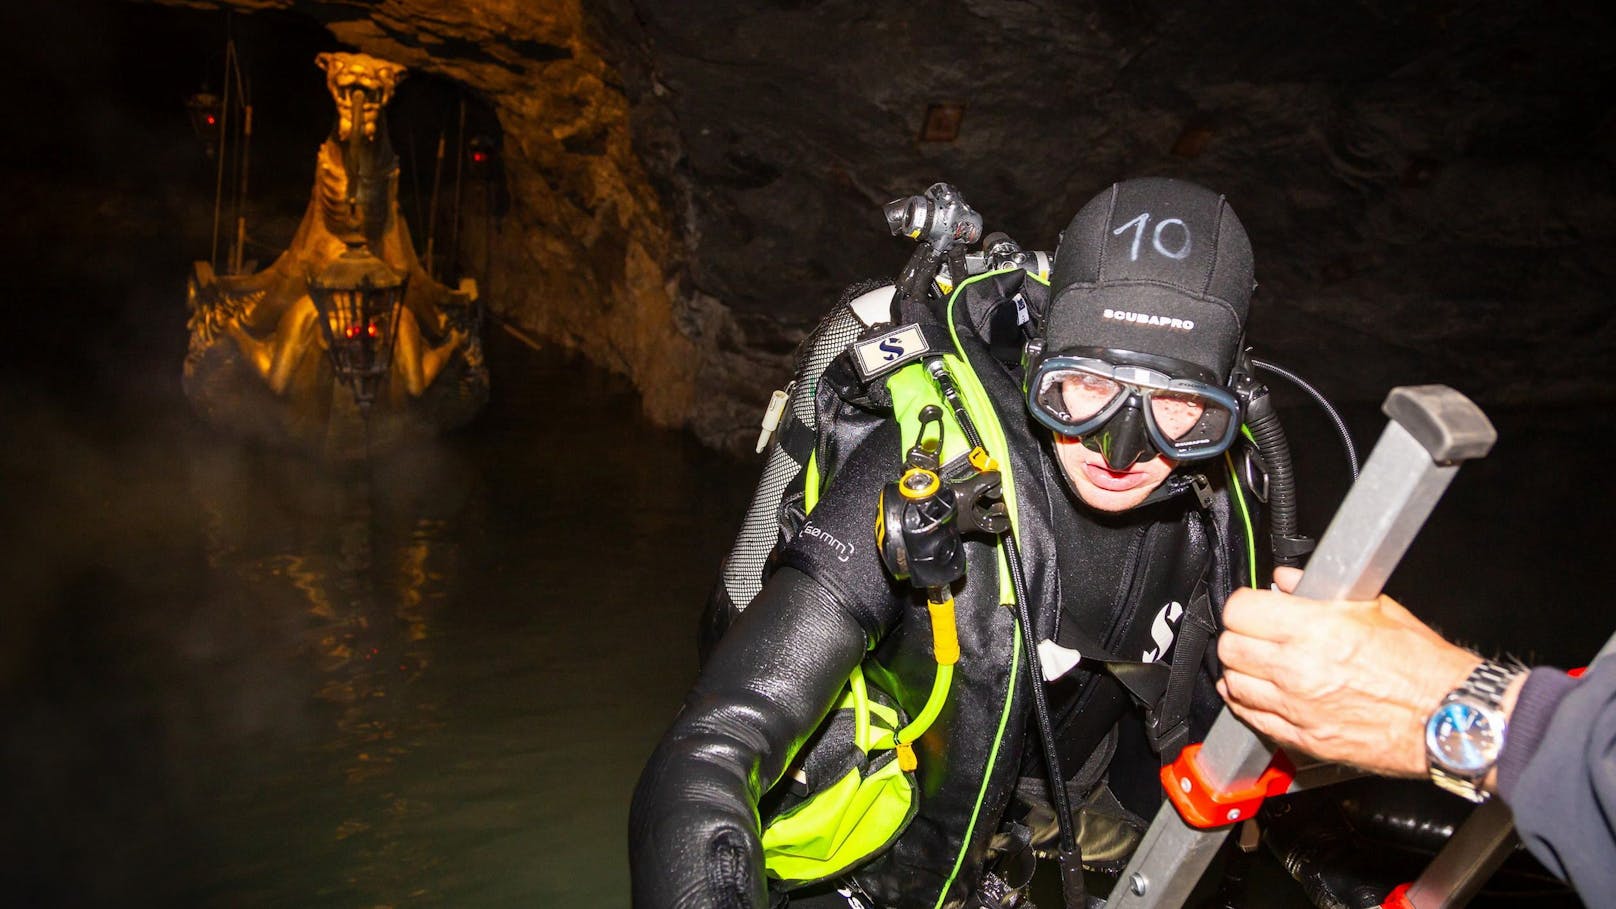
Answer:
(1558, 774)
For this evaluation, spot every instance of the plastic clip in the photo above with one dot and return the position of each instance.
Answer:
(1204, 807)
(771, 417)
(1203, 490)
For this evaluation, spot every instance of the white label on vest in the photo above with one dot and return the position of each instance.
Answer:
(1056, 660)
(889, 351)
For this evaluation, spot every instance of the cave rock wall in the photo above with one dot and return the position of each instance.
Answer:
(1428, 186)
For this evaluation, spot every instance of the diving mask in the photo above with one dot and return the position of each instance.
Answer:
(1123, 409)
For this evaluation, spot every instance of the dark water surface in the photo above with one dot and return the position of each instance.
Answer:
(238, 678)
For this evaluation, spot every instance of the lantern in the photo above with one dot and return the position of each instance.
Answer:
(358, 298)
(206, 113)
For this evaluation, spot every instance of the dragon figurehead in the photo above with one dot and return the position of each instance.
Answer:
(358, 164)
(361, 85)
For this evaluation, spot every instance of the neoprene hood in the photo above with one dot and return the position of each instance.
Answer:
(1154, 266)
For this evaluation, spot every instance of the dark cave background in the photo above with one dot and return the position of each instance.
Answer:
(1429, 189)
(683, 189)
(1428, 186)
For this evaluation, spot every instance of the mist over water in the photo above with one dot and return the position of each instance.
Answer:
(238, 677)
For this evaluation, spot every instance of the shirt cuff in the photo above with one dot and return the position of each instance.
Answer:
(1540, 696)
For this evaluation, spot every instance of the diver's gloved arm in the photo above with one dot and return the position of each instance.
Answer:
(693, 827)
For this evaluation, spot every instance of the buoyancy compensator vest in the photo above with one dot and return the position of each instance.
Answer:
(851, 789)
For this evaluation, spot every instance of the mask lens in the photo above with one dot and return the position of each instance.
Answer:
(1190, 422)
(1176, 414)
(1073, 396)
(1187, 418)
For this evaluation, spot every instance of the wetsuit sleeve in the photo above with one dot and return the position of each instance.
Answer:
(1558, 774)
(836, 546)
(693, 827)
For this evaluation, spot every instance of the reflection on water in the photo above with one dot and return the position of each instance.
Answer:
(241, 678)
(356, 560)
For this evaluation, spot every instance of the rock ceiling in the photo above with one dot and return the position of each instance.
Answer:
(1428, 186)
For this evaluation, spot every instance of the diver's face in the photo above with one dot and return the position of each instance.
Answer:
(1101, 487)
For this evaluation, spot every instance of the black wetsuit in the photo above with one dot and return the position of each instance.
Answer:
(694, 839)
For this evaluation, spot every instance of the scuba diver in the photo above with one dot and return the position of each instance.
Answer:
(1086, 483)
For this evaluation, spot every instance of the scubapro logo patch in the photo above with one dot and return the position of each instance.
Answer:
(1139, 318)
(885, 353)
(843, 550)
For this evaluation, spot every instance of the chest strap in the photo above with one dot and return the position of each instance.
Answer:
(1164, 689)
(1168, 722)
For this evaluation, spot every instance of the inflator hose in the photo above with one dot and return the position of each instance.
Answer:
(915, 283)
(1324, 404)
(1071, 855)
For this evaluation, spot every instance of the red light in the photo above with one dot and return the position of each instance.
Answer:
(479, 157)
(210, 120)
(373, 331)
(352, 331)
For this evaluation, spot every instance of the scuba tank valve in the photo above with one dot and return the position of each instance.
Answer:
(939, 218)
(943, 224)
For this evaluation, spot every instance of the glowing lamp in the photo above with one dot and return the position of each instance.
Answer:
(358, 298)
(480, 152)
(205, 109)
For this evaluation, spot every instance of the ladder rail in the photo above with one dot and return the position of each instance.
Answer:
(1432, 430)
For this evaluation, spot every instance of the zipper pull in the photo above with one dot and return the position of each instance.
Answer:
(1203, 489)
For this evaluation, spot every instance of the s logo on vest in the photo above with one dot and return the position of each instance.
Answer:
(1161, 631)
(885, 353)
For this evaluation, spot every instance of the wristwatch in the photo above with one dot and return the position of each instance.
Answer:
(1465, 733)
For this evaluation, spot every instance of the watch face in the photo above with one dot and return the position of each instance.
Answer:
(1463, 737)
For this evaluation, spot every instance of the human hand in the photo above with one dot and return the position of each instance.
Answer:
(1347, 681)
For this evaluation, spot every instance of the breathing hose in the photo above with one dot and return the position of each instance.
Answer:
(1070, 858)
(1288, 544)
(915, 282)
